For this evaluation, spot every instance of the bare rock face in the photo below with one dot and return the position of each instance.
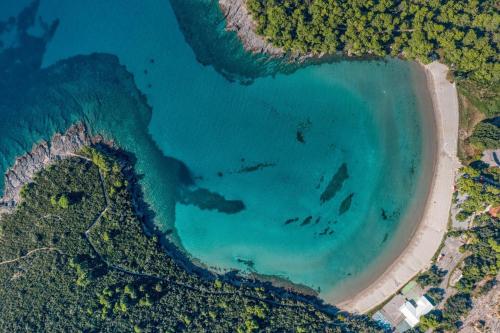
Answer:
(44, 153)
(238, 19)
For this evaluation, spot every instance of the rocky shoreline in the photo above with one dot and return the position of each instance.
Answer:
(238, 19)
(59, 147)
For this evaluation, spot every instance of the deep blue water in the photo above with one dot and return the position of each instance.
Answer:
(306, 173)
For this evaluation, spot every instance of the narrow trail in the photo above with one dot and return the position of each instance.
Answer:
(29, 254)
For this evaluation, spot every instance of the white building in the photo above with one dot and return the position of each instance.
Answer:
(414, 310)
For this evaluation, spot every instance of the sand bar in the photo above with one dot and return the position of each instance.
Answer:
(425, 242)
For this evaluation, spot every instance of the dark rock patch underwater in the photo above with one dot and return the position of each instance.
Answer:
(335, 184)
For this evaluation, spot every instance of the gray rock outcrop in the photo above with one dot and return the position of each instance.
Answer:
(239, 19)
(42, 154)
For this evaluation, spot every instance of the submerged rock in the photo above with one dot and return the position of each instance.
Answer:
(300, 137)
(306, 221)
(208, 200)
(255, 167)
(247, 262)
(326, 231)
(346, 204)
(295, 219)
(335, 184)
(386, 236)
(303, 127)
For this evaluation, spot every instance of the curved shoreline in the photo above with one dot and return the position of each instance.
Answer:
(427, 238)
(420, 223)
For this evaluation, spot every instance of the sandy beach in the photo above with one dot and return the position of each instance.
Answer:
(425, 242)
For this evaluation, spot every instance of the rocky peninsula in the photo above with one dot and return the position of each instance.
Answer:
(44, 153)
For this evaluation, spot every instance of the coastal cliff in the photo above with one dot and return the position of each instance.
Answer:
(43, 154)
(238, 19)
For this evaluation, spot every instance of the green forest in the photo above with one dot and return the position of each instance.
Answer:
(76, 255)
(462, 34)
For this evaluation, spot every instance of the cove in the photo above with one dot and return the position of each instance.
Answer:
(313, 174)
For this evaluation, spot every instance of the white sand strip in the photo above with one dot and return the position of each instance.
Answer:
(425, 242)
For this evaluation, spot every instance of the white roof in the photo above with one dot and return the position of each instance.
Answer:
(414, 310)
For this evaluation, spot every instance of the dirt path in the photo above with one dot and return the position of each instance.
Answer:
(29, 254)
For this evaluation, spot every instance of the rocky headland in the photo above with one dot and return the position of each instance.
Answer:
(238, 19)
(43, 154)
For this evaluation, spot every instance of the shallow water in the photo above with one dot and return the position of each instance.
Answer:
(306, 175)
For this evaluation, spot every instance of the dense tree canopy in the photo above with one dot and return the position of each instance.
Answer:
(478, 194)
(463, 33)
(486, 136)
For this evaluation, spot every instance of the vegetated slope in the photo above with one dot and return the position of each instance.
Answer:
(75, 256)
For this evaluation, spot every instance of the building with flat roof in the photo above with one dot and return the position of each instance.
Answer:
(413, 310)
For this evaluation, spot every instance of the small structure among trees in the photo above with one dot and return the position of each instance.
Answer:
(413, 310)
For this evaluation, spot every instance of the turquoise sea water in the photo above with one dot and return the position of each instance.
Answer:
(305, 173)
